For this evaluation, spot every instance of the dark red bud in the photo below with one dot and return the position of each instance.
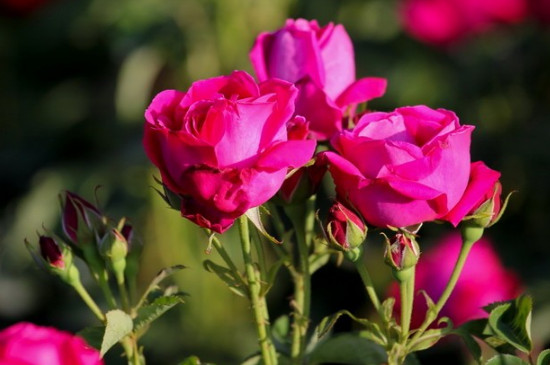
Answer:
(51, 252)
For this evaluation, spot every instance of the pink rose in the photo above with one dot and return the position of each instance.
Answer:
(483, 186)
(442, 22)
(223, 145)
(28, 344)
(483, 280)
(404, 167)
(320, 61)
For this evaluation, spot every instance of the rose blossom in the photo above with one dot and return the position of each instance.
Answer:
(404, 167)
(222, 146)
(442, 22)
(320, 61)
(28, 344)
(483, 280)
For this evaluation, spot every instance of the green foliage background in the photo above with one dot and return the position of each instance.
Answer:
(76, 76)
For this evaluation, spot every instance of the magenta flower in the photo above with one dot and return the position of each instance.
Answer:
(404, 167)
(223, 145)
(441, 22)
(28, 344)
(483, 280)
(320, 61)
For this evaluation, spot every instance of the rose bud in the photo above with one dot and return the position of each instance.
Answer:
(402, 252)
(114, 248)
(81, 220)
(345, 228)
(51, 252)
(57, 257)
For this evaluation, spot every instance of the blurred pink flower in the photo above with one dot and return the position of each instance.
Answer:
(483, 280)
(441, 22)
(28, 344)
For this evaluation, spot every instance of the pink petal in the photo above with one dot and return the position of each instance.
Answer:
(482, 179)
(338, 60)
(362, 90)
(282, 155)
(324, 116)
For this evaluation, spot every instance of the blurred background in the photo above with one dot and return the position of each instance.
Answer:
(77, 75)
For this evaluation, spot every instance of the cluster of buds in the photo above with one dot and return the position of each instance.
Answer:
(90, 235)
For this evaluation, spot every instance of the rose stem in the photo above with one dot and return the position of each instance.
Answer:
(367, 281)
(406, 288)
(259, 305)
(470, 235)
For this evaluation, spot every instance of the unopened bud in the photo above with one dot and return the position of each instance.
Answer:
(402, 252)
(345, 228)
(82, 222)
(114, 248)
(57, 257)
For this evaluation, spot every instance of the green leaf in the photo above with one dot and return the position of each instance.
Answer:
(253, 215)
(150, 312)
(93, 336)
(119, 324)
(387, 309)
(162, 274)
(234, 283)
(505, 359)
(481, 329)
(511, 321)
(544, 358)
(470, 342)
(348, 349)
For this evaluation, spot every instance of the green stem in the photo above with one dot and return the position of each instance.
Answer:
(103, 283)
(406, 287)
(303, 219)
(259, 306)
(123, 293)
(367, 281)
(88, 300)
(470, 234)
